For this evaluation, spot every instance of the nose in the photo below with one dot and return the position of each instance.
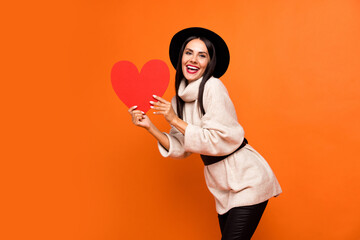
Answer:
(193, 59)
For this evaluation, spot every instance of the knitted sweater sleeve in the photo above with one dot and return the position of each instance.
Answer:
(176, 139)
(219, 132)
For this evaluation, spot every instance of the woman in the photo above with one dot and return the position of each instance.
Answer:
(203, 120)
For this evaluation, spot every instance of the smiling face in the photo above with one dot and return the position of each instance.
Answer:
(195, 59)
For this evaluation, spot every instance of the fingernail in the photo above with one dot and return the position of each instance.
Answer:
(135, 107)
(142, 112)
(151, 102)
(154, 96)
(151, 106)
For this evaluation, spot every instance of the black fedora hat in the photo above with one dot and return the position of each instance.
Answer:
(221, 49)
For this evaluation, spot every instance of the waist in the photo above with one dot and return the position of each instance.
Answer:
(214, 159)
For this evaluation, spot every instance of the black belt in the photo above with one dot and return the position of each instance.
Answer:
(214, 159)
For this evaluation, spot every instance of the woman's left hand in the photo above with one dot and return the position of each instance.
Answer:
(164, 107)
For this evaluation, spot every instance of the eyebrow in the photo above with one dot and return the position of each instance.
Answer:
(189, 49)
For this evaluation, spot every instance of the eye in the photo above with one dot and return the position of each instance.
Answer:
(187, 52)
(202, 55)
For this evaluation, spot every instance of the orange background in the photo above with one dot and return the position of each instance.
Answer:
(74, 167)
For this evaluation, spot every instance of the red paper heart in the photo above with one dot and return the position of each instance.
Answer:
(134, 88)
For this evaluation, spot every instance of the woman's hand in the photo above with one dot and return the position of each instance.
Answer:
(139, 118)
(164, 107)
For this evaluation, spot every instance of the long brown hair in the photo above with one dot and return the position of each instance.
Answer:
(207, 74)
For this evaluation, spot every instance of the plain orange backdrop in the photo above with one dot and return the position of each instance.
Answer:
(74, 167)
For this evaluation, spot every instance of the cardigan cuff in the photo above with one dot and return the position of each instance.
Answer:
(176, 149)
(162, 150)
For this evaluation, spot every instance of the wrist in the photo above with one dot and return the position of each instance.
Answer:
(150, 127)
(174, 121)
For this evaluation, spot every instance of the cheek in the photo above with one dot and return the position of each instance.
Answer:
(205, 64)
(183, 60)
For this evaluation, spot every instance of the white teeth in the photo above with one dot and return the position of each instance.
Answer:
(192, 68)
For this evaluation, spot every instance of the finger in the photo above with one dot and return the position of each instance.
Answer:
(159, 112)
(135, 116)
(154, 103)
(138, 112)
(156, 108)
(132, 109)
(138, 118)
(160, 104)
(160, 99)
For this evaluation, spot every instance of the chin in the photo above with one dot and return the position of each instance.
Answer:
(192, 78)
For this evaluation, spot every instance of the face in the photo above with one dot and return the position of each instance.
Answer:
(195, 60)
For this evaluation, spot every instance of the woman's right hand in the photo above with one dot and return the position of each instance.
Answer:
(139, 118)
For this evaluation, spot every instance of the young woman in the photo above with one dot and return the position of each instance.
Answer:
(203, 120)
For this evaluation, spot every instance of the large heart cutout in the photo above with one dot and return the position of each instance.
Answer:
(134, 88)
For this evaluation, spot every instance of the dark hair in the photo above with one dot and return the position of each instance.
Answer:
(206, 76)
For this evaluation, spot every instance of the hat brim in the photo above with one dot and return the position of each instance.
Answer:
(221, 49)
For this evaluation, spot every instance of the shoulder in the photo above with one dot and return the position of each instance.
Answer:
(213, 81)
(215, 86)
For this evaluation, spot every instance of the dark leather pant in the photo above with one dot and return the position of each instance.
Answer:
(240, 223)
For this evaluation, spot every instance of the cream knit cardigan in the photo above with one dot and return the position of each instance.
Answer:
(244, 178)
